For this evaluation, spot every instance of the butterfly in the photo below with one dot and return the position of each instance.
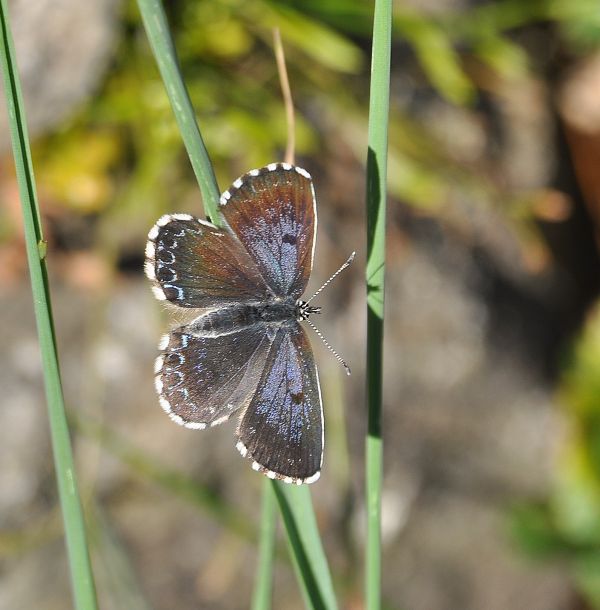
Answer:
(246, 351)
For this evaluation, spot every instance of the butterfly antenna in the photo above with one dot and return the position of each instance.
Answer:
(339, 358)
(346, 264)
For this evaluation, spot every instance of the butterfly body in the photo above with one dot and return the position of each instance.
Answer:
(247, 351)
(233, 318)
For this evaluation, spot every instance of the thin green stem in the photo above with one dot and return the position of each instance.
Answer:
(157, 30)
(376, 210)
(261, 599)
(77, 547)
(308, 557)
(178, 484)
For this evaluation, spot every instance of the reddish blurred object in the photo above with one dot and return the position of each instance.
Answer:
(580, 111)
(85, 270)
(13, 262)
(552, 205)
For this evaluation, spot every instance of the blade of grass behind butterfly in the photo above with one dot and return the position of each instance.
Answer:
(114, 570)
(157, 30)
(305, 545)
(261, 597)
(177, 483)
(82, 581)
(376, 209)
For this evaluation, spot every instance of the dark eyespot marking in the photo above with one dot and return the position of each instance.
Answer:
(289, 239)
(297, 398)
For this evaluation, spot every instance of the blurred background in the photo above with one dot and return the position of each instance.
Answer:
(492, 365)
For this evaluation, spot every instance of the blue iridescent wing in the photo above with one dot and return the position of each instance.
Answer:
(192, 263)
(201, 381)
(272, 211)
(281, 429)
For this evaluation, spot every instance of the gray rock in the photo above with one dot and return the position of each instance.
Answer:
(63, 48)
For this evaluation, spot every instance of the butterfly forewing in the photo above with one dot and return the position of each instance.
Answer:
(202, 381)
(272, 212)
(194, 264)
(281, 429)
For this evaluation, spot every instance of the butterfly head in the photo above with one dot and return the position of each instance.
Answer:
(304, 310)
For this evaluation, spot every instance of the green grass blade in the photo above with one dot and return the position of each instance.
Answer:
(79, 563)
(157, 30)
(177, 483)
(305, 545)
(376, 209)
(261, 599)
(114, 570)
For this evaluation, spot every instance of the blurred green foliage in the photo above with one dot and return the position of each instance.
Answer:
(122, 153)
(567, 525)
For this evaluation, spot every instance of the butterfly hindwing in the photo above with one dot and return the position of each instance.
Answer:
(272, 211)
(202, 380)
(281, 429)
(192, 263)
